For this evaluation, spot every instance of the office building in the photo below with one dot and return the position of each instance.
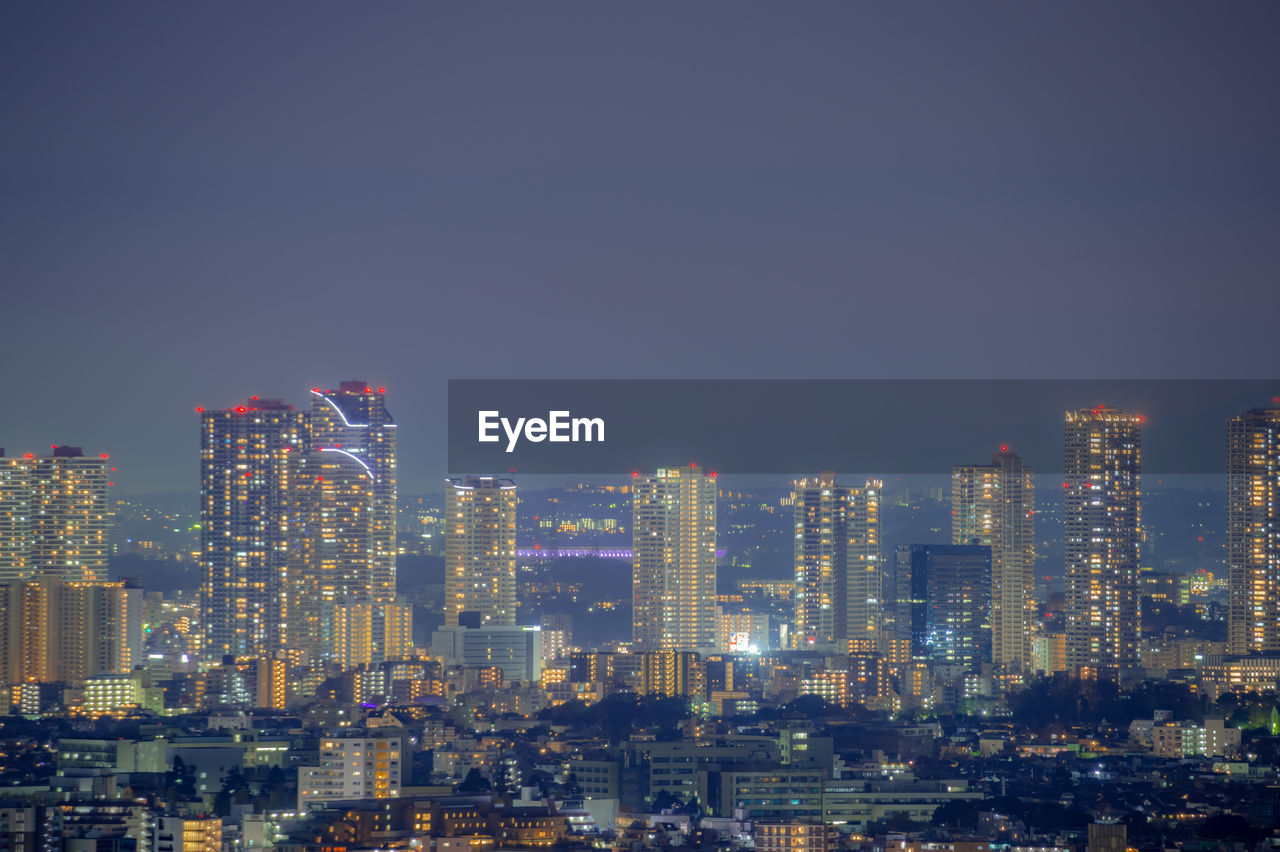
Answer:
(1103, 529)
(1253, 531)
(515, 649)
(837, 557)
(480, 550)
(943, 602)
(994, 505)
(248, 501)
(674, 560)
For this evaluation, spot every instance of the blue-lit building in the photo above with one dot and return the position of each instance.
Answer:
(941, 601)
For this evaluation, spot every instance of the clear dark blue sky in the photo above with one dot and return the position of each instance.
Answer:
(207, 201)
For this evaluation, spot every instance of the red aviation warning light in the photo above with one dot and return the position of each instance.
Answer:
(199, 410)
(240, 409)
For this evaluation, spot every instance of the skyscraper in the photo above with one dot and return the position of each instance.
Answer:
(995, 505)
(355, 419)
(1103, 528)
(1253, 530)
(942, 601)
(480, 550)
(674, 560)
(68, 630)
(329, 562)
(248, 504)
(70, 515)
(15, 517)
(837, 557)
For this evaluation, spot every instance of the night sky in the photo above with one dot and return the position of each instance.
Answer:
(207, 201)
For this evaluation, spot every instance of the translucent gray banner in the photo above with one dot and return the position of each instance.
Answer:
(790, 426)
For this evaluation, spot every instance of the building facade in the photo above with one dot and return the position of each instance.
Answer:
(15, 517)
(248, 500)
(68, 515)
(674, 560)
(994, 505)
(1253, 531)
(942, 602)
(480, 550)
(354, 420)
(838, 568)
(54, 630)
(330, 572)
(1103, 530)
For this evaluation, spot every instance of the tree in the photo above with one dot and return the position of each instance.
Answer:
(235, 790)
(180, 781)
(474, 782)
(572, 789)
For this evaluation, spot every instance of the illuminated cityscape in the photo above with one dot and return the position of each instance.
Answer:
(752, 427)
(777, 633)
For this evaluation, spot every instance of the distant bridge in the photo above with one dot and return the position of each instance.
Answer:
(573, 552)
(580, 552)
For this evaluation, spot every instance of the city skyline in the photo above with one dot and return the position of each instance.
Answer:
(824, 427)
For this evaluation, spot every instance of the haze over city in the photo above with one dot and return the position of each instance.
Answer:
(296, 554)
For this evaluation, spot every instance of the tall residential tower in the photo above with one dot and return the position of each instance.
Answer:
(1253, 530)
(480, 550)
(674, 560)
(354, 420)
(994, 505)
(1103, 529)
(247, 495)
(837, 557)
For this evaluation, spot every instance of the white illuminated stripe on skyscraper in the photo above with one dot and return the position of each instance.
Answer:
(340, 414)
(350, 456)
